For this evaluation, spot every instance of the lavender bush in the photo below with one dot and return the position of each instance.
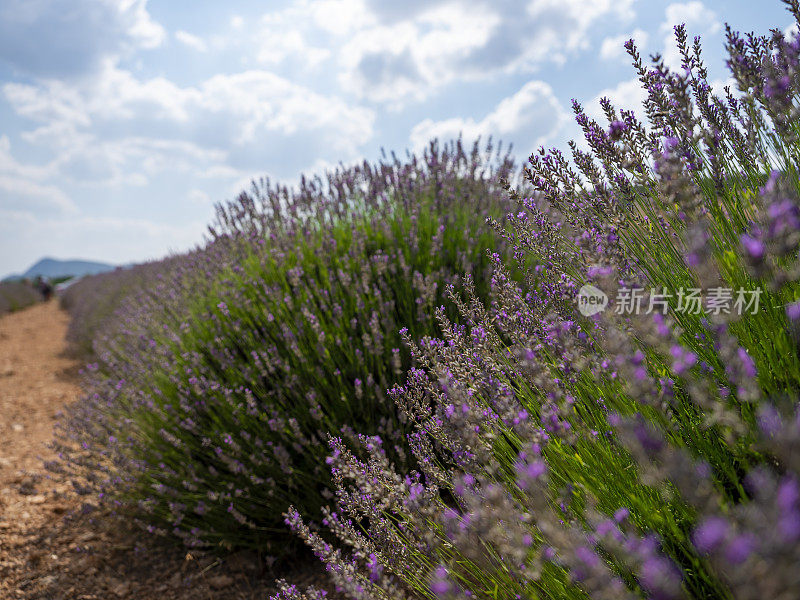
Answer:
(16, 295)
(93, 301)
(214, 393)
(641, 451)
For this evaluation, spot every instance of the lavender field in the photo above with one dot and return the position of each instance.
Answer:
(448, 375)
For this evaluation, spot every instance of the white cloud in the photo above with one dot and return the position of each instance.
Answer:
(694, 12)
(55, 102)
(340, 17)
(580, 14)
(133, 161)
(393, 56)
(407, 60)
(528, 119)
(219, 171)
(10, 166)
(69, 38)
(192, 41)
(141, 27)
(199, 197)
(17, 190)
(264, 102)
(627, 95)
(613, 47)
(279, 38)
(25, 185)
(279, 45)
(158, 125)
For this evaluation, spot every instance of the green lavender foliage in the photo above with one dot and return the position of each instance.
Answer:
(215, 393)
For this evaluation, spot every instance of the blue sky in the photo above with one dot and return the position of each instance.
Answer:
(122, 122)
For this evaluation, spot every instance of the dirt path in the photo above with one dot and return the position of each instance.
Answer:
(54, 546)
(36, 382)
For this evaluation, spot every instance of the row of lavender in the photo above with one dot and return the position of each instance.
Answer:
(221, 373)
(651, 449)
(93, 301)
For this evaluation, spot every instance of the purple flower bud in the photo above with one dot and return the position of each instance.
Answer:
(440, 585)
(621, 515)
(616, 129)
(753, 246)
(649, 439)
(587, 556)
(748, 366)
(710, 534)
(788, 496)
(683, 359)
(661, 578)
(740, 548)
(415, 491)
(535, 470)
(671, 143)
(703, 470)
(375, 568)
(793, 311)
(769, 420)
(789, 527)
(605, 528)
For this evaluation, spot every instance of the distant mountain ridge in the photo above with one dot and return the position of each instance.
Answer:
(51, 267)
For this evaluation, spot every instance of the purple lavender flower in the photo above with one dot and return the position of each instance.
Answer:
(616, 129)
(753, 246)
(710, 534)
(793, 311)
(740, 548)
(440, 583)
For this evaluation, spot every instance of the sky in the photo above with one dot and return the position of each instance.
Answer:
(123, 122)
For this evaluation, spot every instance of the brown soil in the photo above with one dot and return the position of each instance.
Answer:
(53, 545)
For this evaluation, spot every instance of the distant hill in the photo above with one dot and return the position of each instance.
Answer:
(51, 267)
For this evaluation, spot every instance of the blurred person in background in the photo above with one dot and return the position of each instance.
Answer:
(44, 287)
